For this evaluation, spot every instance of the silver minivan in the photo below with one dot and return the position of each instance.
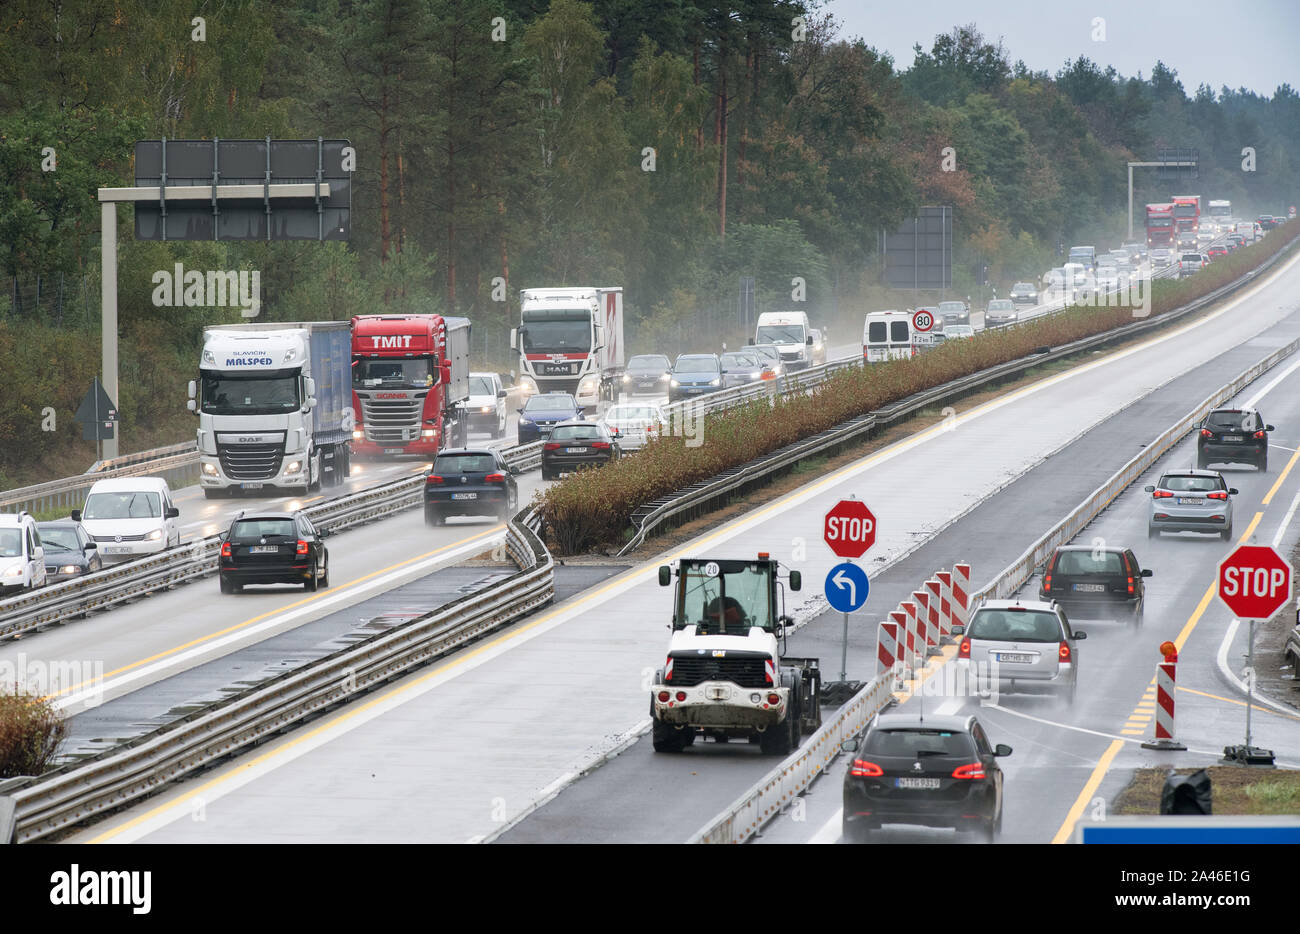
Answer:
(1021, 646)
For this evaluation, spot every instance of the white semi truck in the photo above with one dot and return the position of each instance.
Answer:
(274, 403)
(727, 675)
(571, 340)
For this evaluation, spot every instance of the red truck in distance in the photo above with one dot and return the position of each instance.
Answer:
(1160, 226)
(1187, 214)
(410, 378)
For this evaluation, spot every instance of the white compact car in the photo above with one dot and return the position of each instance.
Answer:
(22, 557)
(130, 518)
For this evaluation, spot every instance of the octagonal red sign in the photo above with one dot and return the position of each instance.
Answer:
(1255, 582)
(850, 528)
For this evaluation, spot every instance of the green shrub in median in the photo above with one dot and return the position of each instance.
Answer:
(594, 509)
(31, 729)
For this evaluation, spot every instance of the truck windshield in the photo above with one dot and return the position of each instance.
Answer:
(265, 394)
(395, 373)
(556, 336)
(732, 599)
(780, 334)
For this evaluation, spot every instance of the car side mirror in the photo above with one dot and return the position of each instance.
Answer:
(76, 515)
(851, 745)
(1080, 635)
(809, 342)
(1001, 749)
(501, 394)
(171, 512)
(1149, 489)
(796, 580)
(665, 575)
(322, 533)
(1146, 572)
(1268, 428)
(1232, 490)
(89, 545)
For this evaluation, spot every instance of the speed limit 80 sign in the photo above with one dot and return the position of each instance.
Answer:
(922, 320)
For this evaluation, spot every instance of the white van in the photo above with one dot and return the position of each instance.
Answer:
(790, 332)
(1247, 231)
(130, 517)
(887, 335)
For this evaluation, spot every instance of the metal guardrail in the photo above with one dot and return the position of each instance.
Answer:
(146, 764)
(177, 467)
(123, 582)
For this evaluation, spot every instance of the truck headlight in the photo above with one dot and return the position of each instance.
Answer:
(589, 384)
(294, 467)
(209, 470)
(155, 535)
(527, 385)
(358, 435)
(430, 432)
(626, 378)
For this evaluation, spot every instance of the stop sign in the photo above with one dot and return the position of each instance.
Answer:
(850, 528)
(1254, 582)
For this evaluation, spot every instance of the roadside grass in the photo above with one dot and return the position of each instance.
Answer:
(1235, 789)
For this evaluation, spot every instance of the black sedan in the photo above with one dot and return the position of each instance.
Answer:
(273, 548)
(935, 771)
(577, 444)
(647, 374)
(465, 482)
(70, 551)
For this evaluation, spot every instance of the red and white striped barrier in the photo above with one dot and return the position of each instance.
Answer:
(922, 601)
(961, 595)
(886, 648)
(912, 648)
(945, 602)
(1165, 684)
(937, 617)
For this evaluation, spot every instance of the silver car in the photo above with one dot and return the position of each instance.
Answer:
(954, 313)
(1001, 311)
(633, 423)
(740, 368)
(1021, 646)
(1191, 501)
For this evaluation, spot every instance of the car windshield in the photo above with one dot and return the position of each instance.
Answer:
(56, 539)
(265, 395)
(124, 505)
(452, 464)
(404, 373)
(950, 307)
(768, 353)
(630, 413)
(728, 600)
(907, 744)
(1001, 304)
(11, 543)
(577, 433)
(739, 360)
(251, 529)
(1024, 286)
(550, 404)
(649, 362)
(1089, 562)
(1182, 483)
(1015, 626)
(780, 334)
(481, 386)
(696, 365)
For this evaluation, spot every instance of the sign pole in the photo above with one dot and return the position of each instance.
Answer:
(844, 664)
(1250, 676)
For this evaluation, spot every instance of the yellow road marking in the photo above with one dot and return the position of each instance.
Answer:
(1238, 703)
(1281, 477)
(1089, 789)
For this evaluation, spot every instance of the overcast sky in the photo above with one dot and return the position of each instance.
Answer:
(1241, 43)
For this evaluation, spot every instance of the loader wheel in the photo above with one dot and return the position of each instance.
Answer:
(778, 739)
(667, 738)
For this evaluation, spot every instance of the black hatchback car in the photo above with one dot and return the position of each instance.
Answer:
(935, 771)
(469, 482)
(574, 445)
(1233, 436)
(70, 551)
(1095, 581)
(273, 548)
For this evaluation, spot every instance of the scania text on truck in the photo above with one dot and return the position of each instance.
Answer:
(410, 377)
(727, 675)
(1187, 214)
(570, 340)
(1160, 226)
(790, 332)
(274, 406)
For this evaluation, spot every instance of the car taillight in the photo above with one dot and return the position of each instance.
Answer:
(1063, 653)
(302, 547)
(969, 770)
(1206, 433)
(1128, 569)
(550, 446)
(864, 769)
(495, 478)
(1260, 435)
(1221, 494)
(433, 478)
(600, 445)
(964, 650)
(225, 550)
(1161, 494)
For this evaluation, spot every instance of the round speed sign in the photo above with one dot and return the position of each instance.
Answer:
(922, 320)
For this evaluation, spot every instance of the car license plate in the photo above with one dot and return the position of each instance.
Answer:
(923, 783)
(250, 486)
(264, 550)
(464, 496)
(1090, 588)
(1014, 658)
(119, 550)
(394, 450)
(1231, 437)
(575, 450)
(1190, 500)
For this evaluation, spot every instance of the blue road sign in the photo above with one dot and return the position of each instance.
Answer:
(847, 587)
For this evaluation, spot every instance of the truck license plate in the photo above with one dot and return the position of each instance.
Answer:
(464, 496)
(916, 783)
(394, 450)
(250, 486)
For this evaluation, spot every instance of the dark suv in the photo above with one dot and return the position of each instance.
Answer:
(1233, 436)
(574, 445)
(469, 482)
(273, 548)
(1092, 580)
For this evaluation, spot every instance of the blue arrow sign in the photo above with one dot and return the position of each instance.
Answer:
(847, 587)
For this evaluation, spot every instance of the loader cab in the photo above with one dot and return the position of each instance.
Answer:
(728, 597)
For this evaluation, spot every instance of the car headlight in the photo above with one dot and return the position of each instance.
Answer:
(14, 570)
(485, 409)
(70, 569)
(155, 535)
(626, 378)
(674, 383)
(715, 382)
(294, 467)
(755, 375)
(209, 470)
(665, 376)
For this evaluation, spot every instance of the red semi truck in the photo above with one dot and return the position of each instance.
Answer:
(410, 378)
(1160, 226)
(1187, 214)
